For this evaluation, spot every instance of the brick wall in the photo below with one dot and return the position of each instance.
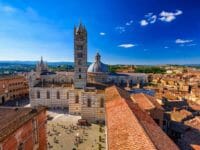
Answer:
(24, 135)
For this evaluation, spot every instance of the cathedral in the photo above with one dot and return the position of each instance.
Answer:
(82, 92)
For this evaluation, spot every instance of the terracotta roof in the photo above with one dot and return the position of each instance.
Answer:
(191, 138)
(180, 115)
(13, 118)
(8, 77)
(145, 102)
(131, 128)
(194, 123)
(194, 106)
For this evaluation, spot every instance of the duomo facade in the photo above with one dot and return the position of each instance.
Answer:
(81, 91)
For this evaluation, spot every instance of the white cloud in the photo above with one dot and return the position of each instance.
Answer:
(148, 15)
(143, 22)
(120, 29)
(182, 41)
(8, 9)
(102, 33)
(126, 45)
(192, 44)
(129, 23)
(152, 19)
(166, 47)
(169, 16)
(178, 12)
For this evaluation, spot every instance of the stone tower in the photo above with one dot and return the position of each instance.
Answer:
(80, 56)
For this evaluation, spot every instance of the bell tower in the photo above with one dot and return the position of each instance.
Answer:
(80, 56)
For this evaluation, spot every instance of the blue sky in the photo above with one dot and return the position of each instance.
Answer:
(123, 31)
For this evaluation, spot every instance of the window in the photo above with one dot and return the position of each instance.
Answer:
(77, 99)
(21, 146)
(102, 102)
(79, 69)
(38, 94)
(48, 95)
(89, 102)
(79, 47)
(35, 131)
(79, 55)
(79, 62)
(58, 95)
(67, 95)
(79, 76)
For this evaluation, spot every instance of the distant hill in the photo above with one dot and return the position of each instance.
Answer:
(3, 63)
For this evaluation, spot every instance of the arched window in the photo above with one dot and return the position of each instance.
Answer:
(79, 76)
(89, 102)
(38, 94)
(79, 69)
(77, 99)
(48, 95)
(102, 102)
(58, 95)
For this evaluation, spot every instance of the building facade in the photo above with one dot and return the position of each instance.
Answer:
(13, 87)
(23, 128)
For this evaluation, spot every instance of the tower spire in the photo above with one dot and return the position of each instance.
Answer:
(98, 57)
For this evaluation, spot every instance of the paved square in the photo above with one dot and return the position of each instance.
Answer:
(64, 134)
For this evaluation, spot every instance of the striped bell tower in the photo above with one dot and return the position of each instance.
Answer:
(80, 56)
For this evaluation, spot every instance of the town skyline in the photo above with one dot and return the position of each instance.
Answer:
(141, 34)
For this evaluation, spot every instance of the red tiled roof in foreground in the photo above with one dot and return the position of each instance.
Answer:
(130, 128)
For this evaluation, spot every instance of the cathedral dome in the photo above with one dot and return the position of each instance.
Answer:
(98, 66)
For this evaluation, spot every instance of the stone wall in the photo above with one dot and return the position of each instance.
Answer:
(53, 101)
(93, 112)
(23, 137)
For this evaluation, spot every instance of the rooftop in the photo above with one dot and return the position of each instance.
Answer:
(145, 102)
(13, 118)
(191, 138)
(129, 127)
(98, 66)
(180, 115)
(3, 77)
(99, 86)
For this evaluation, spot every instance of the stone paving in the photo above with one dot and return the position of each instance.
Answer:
(64, 134)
